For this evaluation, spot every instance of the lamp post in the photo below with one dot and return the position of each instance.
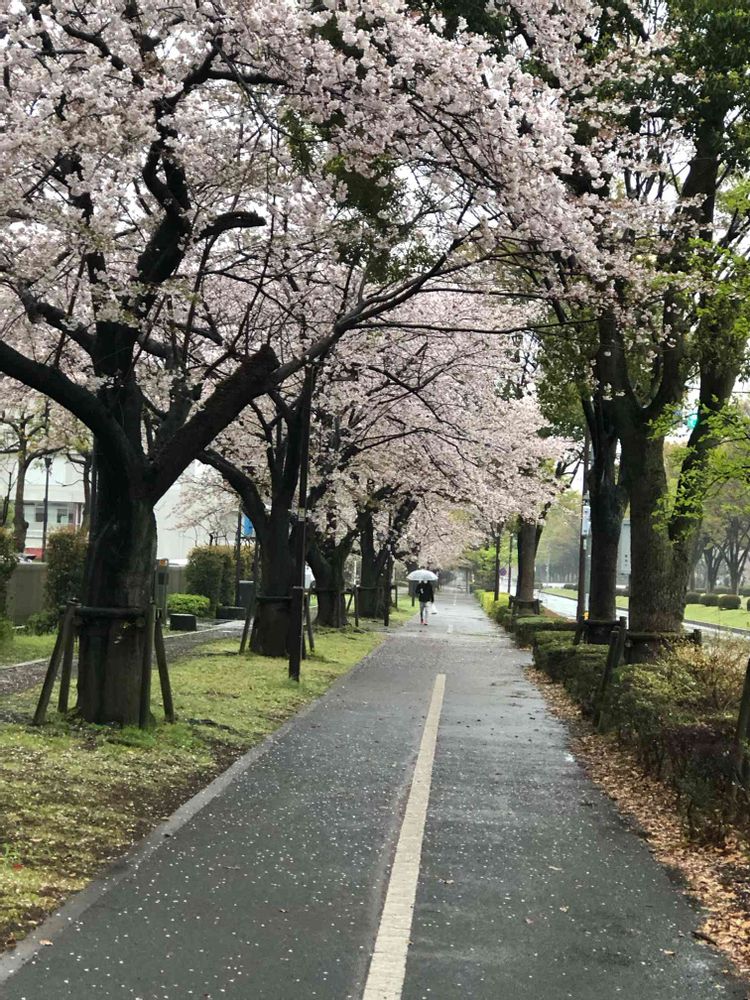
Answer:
(297, 637)
(45, 522)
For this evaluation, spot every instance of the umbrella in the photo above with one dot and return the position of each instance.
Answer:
(422, 575)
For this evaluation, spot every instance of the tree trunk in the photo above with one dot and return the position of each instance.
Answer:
(660, 565)
(272, 622)
(20, 524)
(327, 560)
(119, 574)
(371, 595)
(607, 503)
(528, 539)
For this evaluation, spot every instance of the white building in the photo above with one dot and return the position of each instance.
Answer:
(66, 504)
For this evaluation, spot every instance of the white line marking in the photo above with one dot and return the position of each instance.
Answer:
(450, 628)
(385, 980)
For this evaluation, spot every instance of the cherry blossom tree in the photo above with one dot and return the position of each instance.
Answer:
(172, 169)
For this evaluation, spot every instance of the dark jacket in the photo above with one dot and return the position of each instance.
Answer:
(425, 593)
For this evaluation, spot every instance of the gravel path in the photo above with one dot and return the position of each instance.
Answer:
(21, 676)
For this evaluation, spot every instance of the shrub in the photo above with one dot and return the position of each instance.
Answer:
(8, 562)
(710, 600)
(189, 604)
(692, 597)
(527, 627)
(42, 622)
(66, 556)
(205, 573)
(730, 602)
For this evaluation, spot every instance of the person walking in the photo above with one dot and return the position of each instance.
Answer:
(425, 595)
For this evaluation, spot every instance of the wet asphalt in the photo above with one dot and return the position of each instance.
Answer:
(531, 884)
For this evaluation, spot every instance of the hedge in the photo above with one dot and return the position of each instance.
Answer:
(66, 558)
(692, 597)
(730, 602)
(526, 628)
(710, 600)
(189, 604)
(679, 713)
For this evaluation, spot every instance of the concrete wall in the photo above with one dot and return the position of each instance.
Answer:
(26, 589)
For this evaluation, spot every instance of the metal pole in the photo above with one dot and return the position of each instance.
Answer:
(48, 465)
(298, 610)
(498, 530)
(510, 561)
(582, 553)
(238, 559)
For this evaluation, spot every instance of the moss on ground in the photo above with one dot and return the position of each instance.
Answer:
(75, 796)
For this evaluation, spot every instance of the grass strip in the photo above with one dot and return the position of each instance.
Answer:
(75, 796)
(717, 617)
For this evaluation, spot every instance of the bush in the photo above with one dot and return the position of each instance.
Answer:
(730, 602)
(710, 600)
(42, 622)
(526, 628)
(189, 604)
(8, 562)
(66, 557)
(205, 574)
(692, 597)
(499, 611)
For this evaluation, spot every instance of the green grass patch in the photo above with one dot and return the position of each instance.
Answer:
(76, 796)
(21, 647)
(693, 612)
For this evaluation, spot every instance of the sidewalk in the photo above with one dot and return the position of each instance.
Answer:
(530, 886)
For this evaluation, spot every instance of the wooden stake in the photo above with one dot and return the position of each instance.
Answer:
(68, 646)
(246, 628)
(741, 732)
(148, 650)
(161, 660)
(308, 624)
(49, 677)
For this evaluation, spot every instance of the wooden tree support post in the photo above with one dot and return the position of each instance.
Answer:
(246, 628)
(68, 647)
(614, 658)
(54, 663)
(308, 623)
(739, 756)
(356, 605)
(161, 660)
(144, 714)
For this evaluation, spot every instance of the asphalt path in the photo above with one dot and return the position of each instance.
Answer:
(527, 883)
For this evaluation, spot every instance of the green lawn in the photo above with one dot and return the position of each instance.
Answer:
(693, 612)
(75, 796)
(22, 647)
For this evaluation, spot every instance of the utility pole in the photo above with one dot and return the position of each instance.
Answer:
(582, 542)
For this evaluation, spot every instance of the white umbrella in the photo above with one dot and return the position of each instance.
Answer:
(420, 575)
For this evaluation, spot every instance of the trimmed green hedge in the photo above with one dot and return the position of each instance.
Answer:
(692, 597)
(526, 628)
(730, 602)
(189, 604)
(710, 600)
